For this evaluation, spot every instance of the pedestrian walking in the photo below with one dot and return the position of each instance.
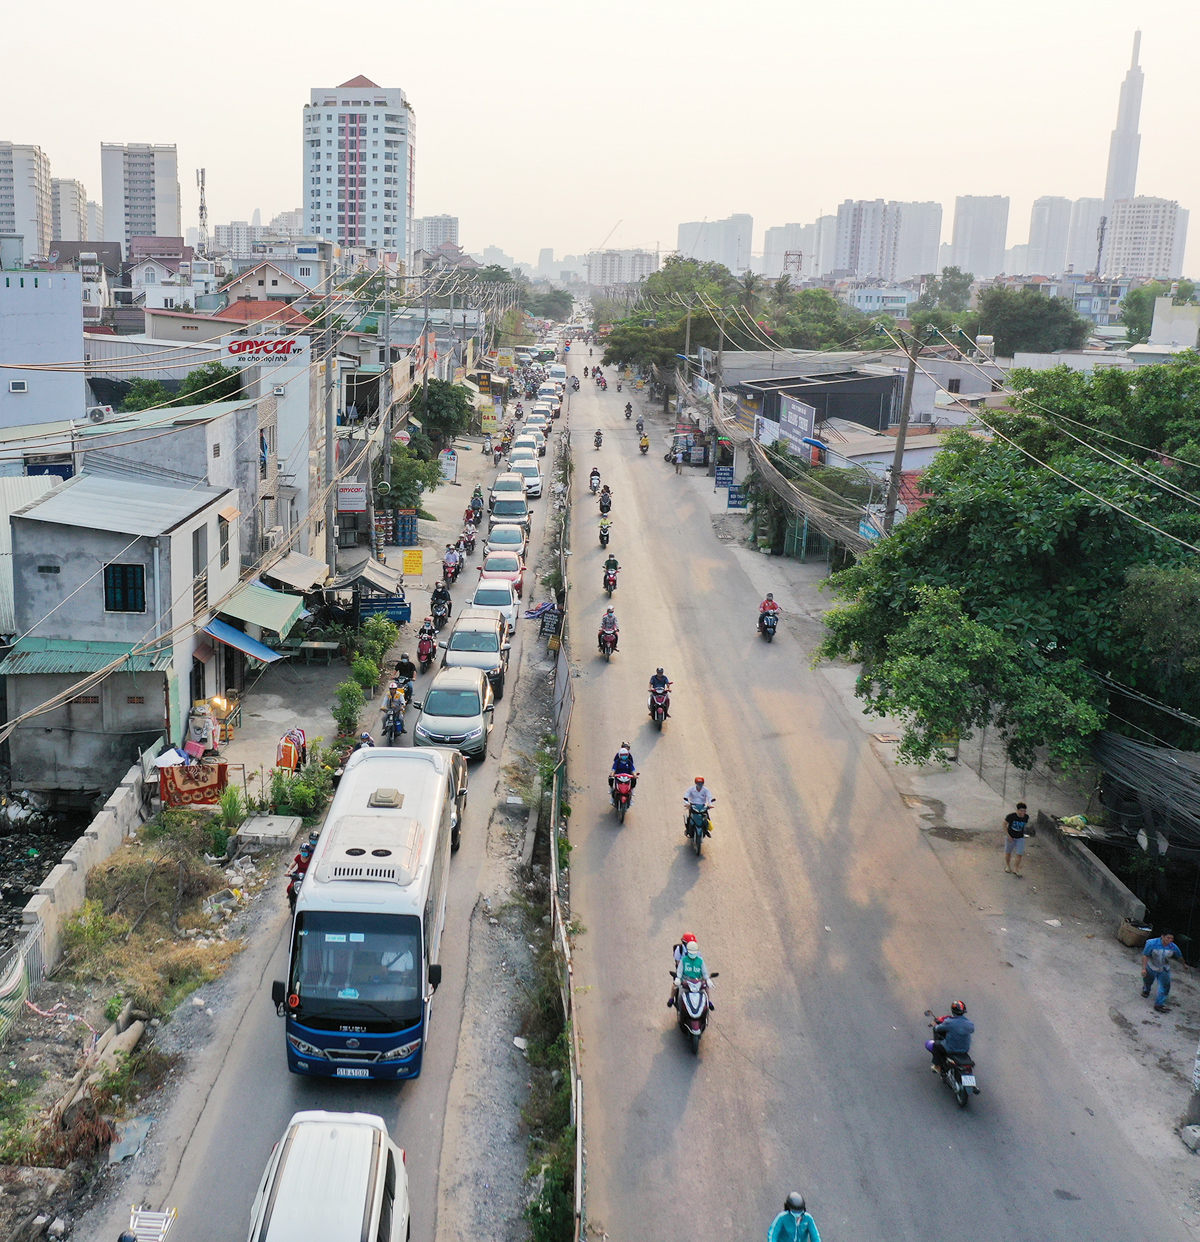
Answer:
(1156, 967)
(1015, 824)
(679, 461)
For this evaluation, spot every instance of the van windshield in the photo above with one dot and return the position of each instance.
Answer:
(356, 967)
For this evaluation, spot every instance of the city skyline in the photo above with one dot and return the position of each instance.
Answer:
(1014, 154)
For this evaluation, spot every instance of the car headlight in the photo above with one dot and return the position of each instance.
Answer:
(396, 1054)
(474, 734)
(305, 1049)
(422, 731)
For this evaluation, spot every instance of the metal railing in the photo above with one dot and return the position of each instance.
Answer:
(21, 969)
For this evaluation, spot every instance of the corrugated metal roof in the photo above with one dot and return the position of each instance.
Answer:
(15, 492)
(99, 502)
(299, 571)
(64, 655)
(259, 605)
(140, 420)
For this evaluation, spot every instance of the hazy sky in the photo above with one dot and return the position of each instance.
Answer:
(546, 124)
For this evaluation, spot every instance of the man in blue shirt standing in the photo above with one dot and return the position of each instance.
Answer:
(1156, 967)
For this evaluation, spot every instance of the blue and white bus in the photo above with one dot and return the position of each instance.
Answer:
(369, 917)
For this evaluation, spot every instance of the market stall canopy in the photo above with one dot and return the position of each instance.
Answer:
(259, 605)
(299, 571)
(225, 633)
(372, 573)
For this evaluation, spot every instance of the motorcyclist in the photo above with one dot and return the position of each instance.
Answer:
(697, 795)
(439, 595)
(450, 560)
(594, 478)
(644, 442)
(427, 630)
(793, 1224)
(585, 370)
(660, 683)
(689, 965)
(598, 439)
(623, 762)
(406, 670)
(396, 701)
(952, 1035)
(768, 605)
(302, 859)
(611, 561)
(589, 353)
(365, 740)
(628, 407)
(605, 525)
(641, 423)
(608, 625)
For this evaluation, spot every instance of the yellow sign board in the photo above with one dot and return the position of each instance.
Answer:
(506, 358)
(488, 419)
(414, 562)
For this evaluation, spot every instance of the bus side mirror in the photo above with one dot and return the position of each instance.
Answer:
(435, 975)
(278, 994)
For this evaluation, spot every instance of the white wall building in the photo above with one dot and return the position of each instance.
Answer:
(26, 201)
(620, 267)
(866, 238)
(889, 299)
(918, 239)
(289, 223)
(429, 232)
(69, 210)
(41, 321)
(359, 166)
(1049, 236)
(1146, 238)
(95, 221)
(1082, 236)
(725, 241)
(140, 188)
(980, 231)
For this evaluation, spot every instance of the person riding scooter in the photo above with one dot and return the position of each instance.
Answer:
(768, 605)
(689, 965)
(793, 1224)
(598, 440)
(641, 424)
(697, 796)
(628, 406)
(952, 1036)
(594, 479)
(623, 762)
(644, 443)
(660, 683)
(608, 625)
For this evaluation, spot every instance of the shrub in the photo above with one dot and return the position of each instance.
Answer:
(365, 671)
(232, 810)
(350, 702)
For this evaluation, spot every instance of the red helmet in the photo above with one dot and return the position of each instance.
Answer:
(699, 780)
(687, 938)
(958, 1008)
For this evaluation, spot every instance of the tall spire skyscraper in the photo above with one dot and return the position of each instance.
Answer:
(1125, 143)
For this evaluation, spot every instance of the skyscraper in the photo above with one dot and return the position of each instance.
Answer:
(917, 239)
(1125, 142)
(866, 238)
(69, 205)
(429, 232)
(95, 221)
(26, 207)
(980, 230)
(358, 166)
(1082, 240)
(718, 241)
(1146, 239)
(139, 182)
(1049, 235)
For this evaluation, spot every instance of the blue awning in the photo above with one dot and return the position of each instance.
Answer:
(224, 633)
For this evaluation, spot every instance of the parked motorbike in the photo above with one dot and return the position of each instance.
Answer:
(441, 614)
(426, 649)
(607, 640)
(957, 1072)
(660, 704)
(768, 623)
(692, 1006)
(610, 581)
(621, 784)
(699, 826)
(604, 534)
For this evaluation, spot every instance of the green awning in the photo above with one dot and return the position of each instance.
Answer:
(64, 655)
(259, 605)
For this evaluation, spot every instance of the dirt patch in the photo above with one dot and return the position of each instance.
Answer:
(731, 527)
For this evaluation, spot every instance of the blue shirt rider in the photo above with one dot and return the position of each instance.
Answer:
(952, 1035)
(793, 1224)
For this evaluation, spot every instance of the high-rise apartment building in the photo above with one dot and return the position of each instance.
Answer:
(1083, 234)
(429, 232)
(1049, 237)
(1125, 143)
(358, 167)
(980, 231)
(620, 267)
(1146, 239)
(288, 223)
(69, 209)
(917, 239)
(718, 241)
(95, 221)
(802, 251)
(865, 245)
(26, 200)
(140, 189)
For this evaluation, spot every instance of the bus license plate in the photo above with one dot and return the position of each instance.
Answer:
(342, 1072)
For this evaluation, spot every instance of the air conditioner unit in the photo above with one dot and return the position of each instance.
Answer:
(18, 385)
(279, 391)
(98, 413)
(272, 538)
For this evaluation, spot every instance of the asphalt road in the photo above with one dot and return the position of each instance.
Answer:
(832, 924)
(239, 1094)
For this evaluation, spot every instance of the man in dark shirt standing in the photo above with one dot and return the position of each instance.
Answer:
(1015, 823)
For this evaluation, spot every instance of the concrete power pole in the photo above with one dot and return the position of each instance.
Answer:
(330, 444)
(893, 492)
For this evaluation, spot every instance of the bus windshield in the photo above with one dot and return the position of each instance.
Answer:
(351, 965)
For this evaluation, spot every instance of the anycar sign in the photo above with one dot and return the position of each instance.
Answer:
(244, 351)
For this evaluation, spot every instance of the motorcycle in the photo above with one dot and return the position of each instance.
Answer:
(607, 640)
(622, 793)
(641, 425)
(618, 385)
(699, 826)
(660, 704)
(957, 1072)
(644, 446)
(604, 534)
(295, 879)
(594, 481)
(606, 502)
(628, 412)
(426, 649)
(441, 614)
(450, 572)
(468, 541)
(767, 625)
(610, 581)
(575, 383)
(692, 1006)
(599, 439)
(393, 722)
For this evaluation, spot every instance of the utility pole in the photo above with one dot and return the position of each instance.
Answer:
(425, 358)
(202, 232)
(893, 492)
(687, 345)
(330, 444)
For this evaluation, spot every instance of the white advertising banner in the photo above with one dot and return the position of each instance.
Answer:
(352, 498)
(245, 351)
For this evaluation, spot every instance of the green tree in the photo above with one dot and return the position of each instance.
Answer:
(750, 291)
(961, 327)
(1137, 310)
(145, 394)
(411, 475)
(211, 382)
(951, 292)
(450, 410)
(1027, 321)
(1160, 608)
(553, 304)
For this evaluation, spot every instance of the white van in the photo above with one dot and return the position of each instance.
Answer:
(558, 372)
(333, 1177)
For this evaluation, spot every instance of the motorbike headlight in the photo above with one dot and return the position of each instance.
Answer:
(396, 1054)
(305, 1049)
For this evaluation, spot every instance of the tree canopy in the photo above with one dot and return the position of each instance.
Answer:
(211, 382)
(951, 291)
(1137, 307)
(449, 412)
(1033, 572)
(1027, 321)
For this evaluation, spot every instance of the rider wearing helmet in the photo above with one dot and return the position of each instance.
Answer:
(608, 625)
(406, 670)
(623, 762)
(952, 1035)
(689, 965)
(793, 1224)
(697, 795)
(301, 861)
(660, 683)
(364, 740)
(768, 605)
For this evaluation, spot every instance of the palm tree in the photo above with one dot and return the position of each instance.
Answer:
(749, 291)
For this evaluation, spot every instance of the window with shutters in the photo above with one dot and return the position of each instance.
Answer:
(124, 588)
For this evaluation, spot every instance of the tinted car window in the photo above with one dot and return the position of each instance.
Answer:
(452, 703)
(492, 597)
(473, 640)
(513, 508)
